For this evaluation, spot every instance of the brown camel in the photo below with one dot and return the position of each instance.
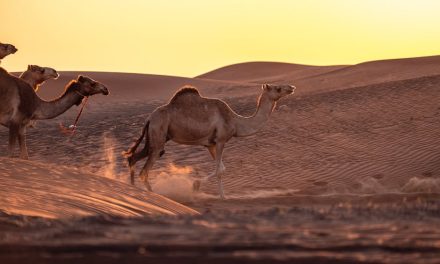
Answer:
(6, 49)
(191, 119)
(35, 75)
(19, 105)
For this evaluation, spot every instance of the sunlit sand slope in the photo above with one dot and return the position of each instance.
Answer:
(31, 188)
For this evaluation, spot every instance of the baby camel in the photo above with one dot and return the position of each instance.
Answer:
(191, 119)
(19, 105)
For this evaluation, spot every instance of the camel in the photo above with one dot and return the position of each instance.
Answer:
(19, 105)
(191, 119)
(6, 49)
(35, 75)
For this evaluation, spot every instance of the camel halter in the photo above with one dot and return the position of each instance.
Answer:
(70, 131)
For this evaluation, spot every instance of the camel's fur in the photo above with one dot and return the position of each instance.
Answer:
(19, 105)
(191, 119)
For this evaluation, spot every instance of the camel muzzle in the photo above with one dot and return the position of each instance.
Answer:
(55, 76)
(104, 91)
(13, 49)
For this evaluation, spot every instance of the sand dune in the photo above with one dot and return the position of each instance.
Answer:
(372, 139)
(139, 87)
(263, 72)
(375, 137)
(371, 73)
(363, 139)
(347, 169)
(57, 191)
(312, 79)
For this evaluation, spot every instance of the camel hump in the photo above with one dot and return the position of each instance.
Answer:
(186, 90)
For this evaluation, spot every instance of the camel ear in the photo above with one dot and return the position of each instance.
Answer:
(265, 87)
(29, 67)
(81, 79)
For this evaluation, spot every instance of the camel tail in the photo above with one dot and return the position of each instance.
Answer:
(129, 153)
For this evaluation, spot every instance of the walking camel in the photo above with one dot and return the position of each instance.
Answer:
(19, 105)
(191, 119)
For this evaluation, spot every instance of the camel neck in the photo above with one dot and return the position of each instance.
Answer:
(27, 77)
(52, 109)
(246, 126)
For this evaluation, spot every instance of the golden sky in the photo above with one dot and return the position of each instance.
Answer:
(190, 37)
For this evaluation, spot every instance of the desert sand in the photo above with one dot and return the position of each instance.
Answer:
(347, 170)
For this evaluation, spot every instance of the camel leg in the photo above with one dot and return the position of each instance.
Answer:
(154, 155)
(13, 134)
(218, 171)
(132, 162)
(212, 151)
(197, 183)
(132, 175)
(157, 137)
(22, 143)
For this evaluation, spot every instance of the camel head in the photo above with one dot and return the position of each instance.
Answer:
(276, 92)
(6, 49)
(41, 74)
(87, 86)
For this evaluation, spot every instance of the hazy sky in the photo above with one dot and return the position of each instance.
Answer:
(190, 37)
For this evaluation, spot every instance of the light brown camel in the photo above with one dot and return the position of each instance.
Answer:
(6, 49)
(35, 75)
(191, 119)
(19, 105)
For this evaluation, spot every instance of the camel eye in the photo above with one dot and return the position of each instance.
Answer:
(278, 89)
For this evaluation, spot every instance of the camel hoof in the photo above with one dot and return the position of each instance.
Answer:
(196, 185)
